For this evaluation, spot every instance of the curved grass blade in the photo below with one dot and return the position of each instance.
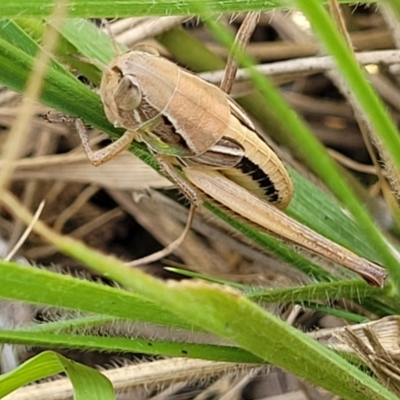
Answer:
(88, 383)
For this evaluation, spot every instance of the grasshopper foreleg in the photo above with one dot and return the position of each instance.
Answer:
(107, 153)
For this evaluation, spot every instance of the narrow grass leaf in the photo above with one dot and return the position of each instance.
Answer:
(130, 345)
(42, 287)
(88, 383)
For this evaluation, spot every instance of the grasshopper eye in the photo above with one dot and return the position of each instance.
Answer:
(117, 71)
(127, 94)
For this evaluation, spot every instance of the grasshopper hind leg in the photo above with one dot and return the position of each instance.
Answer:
(106, 154)
(195, 200)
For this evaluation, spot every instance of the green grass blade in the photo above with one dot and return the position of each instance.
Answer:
(48, 288)
(129, 345)
(339, 313)
(88, 384)
(127, 8)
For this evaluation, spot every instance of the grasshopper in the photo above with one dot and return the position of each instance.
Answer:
(192, 125)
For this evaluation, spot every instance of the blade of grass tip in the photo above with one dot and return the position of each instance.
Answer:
(350, 317)
(197, 275)
(327, 291)
(374, 110)
(87, 382)
(321, 162)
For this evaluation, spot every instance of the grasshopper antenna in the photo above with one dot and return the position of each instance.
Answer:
(243, 36)
(110, 33)
(86, 60)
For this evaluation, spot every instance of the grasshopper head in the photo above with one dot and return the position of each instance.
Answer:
(121, 94)
(131, 86)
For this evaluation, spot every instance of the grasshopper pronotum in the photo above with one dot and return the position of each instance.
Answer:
(191, 124)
